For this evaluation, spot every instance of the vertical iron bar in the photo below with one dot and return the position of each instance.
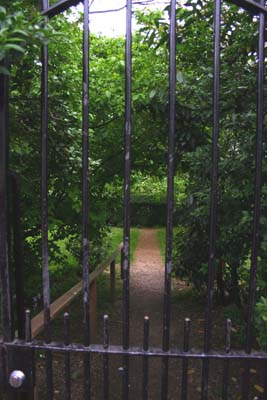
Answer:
(44, 187)
(44, 213)
(67, 357)
(122, 263)
(187, 323)
(264, 378)
(145, 358)
(226, 362)
(28, 339)
(28, 327)
(127, 178)
(85, 194)
(213, 196)
(112, 280)
(169, 227)
(4, 248)
(106, 358)
(18, 256)
(257, 207)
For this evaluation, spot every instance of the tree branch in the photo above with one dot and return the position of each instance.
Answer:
(141, 3)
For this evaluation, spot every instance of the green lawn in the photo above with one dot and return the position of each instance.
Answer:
(103, 282)
(66, 271)
(115, 238)
(161, 236)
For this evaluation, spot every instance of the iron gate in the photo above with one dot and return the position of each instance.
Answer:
(14, 350)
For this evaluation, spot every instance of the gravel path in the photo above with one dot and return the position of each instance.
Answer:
(146, 299)
(146, 288)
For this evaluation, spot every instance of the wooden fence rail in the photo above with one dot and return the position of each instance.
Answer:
(37, 323)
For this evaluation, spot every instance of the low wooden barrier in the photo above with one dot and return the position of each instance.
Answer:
(37, 323)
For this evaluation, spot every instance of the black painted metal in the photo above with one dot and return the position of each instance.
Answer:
(85, 213)
(251, 6)
(85, 194)
(44, 188)
(187, 323)
(18, 254)
(67, 357)
(174, 352)
(106, 358)
(213, 196)
(59, 7)
(258, 162)
(169, 228)
(112, 281)
(257, 200)
(28, 339)
(226, 362)
(44, 214)
(127, 182)
(145, 358)
(126, 351)
(28, 329)
(4, 248)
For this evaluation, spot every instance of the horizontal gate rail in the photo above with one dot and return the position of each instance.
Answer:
(60, 304)
(58, 347)
(60, 6)
(250, 5)
(63, 5)
(87, 286)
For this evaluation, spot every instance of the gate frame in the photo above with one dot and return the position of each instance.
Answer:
(10, 344)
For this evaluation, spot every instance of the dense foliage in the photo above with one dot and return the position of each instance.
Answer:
(64, 133)
(22, 34)
(237, 144)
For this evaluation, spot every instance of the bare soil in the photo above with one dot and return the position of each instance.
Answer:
(146, 299)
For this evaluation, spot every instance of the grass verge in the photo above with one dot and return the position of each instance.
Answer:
(161, 236)
(116, 237)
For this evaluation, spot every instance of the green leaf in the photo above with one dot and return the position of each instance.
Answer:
(180, 77)
(152, 93)
(15, 47)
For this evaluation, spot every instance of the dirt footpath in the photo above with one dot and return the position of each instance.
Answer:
(146, 299)
(146, 289)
